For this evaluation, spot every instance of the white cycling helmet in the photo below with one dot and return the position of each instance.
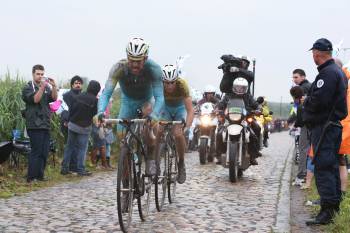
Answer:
(209, 89)
(137, 49)
(170, 73)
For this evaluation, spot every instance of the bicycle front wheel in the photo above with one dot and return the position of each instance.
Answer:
(161, 180)
(125, 189)
(172, 173)
(144, 184)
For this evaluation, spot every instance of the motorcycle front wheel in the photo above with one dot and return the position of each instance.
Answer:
(203, 150)
(233, 161)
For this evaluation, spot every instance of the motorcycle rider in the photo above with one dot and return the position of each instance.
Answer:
(266, 117)
(193, 132)
(231, 72)
(209, 95)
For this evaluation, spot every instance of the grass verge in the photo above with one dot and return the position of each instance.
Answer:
(341, 221)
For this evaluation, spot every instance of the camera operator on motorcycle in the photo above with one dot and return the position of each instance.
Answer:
(177, 107)
(234, 68)
(140, 80)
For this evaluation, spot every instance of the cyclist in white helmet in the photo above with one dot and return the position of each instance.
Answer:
(177, 107)
(140, 81)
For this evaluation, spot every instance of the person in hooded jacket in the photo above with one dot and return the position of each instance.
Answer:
(81, 113)
(69, 97)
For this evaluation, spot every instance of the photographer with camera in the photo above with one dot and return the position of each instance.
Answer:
(37, 94)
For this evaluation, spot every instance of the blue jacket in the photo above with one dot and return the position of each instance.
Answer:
(328, 91)
(143, 87)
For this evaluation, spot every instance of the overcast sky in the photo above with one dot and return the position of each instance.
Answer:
(87, 37)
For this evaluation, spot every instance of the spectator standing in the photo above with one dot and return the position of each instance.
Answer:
(345, 143)
(110, 139)
(81, 113)
(37, 95)
(69, 97)
(98, 142)
(299, 78)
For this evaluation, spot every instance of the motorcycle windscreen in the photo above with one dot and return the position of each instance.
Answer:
(236, 105)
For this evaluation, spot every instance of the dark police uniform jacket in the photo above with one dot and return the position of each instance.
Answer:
(328, 91)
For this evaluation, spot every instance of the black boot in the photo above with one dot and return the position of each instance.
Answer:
(326, 215)
(253, 162)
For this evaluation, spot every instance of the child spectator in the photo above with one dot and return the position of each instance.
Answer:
(98, 142)
(110, 139)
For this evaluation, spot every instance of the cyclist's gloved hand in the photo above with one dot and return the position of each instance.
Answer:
(186, 131)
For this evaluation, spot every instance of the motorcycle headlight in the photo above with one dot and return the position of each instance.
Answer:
(235, 116)
(205, 120)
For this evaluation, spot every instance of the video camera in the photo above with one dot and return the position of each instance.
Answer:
(230, 61)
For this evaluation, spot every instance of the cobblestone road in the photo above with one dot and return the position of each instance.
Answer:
(207, 202)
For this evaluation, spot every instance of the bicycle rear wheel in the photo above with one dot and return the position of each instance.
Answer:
(125, 189)
(161, 180)
(172, 173)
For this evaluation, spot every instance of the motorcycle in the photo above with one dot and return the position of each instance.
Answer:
(237, 132)
(207, 125)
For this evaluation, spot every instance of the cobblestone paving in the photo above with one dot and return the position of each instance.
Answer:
(207, 202)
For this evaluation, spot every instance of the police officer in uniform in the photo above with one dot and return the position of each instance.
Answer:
(323, 108)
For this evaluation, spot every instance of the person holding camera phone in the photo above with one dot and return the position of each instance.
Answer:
(37, 94)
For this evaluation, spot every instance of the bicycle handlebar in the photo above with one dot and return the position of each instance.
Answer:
(118, 121)
(171, 122)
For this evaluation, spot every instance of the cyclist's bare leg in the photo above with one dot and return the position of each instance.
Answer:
(180, 144)
(150, 140)
(159, 130)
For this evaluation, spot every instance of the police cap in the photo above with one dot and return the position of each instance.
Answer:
(322, 45)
